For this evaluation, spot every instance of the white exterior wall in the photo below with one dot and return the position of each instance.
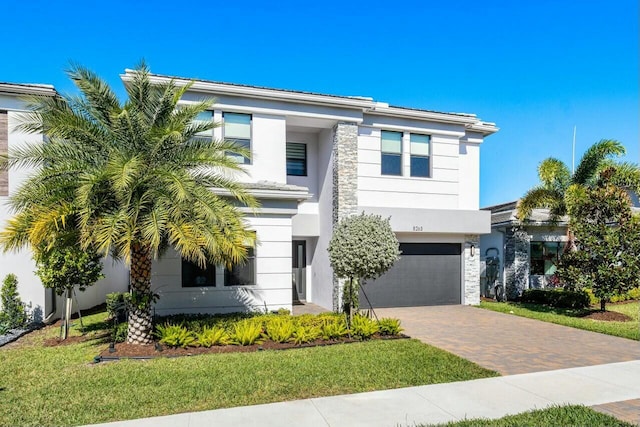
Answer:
(21, 262)
(469, 174)
(442, 190)
(322, 272)
(314, 168)
(273, 288)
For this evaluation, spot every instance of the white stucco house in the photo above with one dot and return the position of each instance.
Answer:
(316, 159)
(43, 302)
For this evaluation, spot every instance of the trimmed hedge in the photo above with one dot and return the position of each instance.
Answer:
(557, 298)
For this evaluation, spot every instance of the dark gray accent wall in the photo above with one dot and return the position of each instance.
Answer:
(516, 261)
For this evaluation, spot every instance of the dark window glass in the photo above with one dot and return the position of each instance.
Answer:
(242, 274)
(419, 166)
(296, 159)
(391, 148)
(391, 164)
(545, 257)
(194, 276)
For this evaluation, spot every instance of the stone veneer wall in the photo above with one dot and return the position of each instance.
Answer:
(4, 147)
(471, 270)
(516, 261)
(345, 182)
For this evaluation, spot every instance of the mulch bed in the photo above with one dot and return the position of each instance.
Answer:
(124, 350)
(608, 316)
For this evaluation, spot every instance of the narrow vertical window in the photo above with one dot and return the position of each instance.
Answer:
(296, 159)
(391, 147)
(237, 128)
(420, 155)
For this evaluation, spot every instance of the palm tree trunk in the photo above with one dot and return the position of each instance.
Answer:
(140, 319)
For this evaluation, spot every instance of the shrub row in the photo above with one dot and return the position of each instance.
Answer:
(238, 329)
(557, 298)
(632, 294)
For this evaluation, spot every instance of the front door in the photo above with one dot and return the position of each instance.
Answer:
(299, 270)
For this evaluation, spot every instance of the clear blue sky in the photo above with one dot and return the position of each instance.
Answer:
(536, 68)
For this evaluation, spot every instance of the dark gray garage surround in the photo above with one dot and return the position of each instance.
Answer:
(425, 274)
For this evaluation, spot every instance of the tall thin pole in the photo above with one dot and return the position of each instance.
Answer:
(573, 152)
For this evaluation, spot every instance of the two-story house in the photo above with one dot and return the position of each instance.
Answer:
(43, 303)
(316, 159)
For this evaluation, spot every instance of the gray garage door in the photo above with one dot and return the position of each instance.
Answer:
(425, 274)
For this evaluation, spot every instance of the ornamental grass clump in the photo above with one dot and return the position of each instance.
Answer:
(175, 336)
(389, 326)
(213, 335)
(362, 327)
(246, 332)
(280, 329)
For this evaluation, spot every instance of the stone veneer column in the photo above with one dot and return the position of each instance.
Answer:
(471, 270)
(4, 147)
(345, 183)
(516, 261)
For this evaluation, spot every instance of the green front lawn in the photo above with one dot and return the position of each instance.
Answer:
(566, 416)
(570, 317)
(60, 386)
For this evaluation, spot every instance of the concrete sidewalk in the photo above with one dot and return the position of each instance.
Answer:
(438, 403)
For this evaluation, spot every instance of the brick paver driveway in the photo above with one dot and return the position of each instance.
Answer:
(510, 344)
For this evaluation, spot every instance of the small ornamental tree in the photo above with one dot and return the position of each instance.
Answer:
(13, 313)
(607, 234)
(363, 247)
(65, 265)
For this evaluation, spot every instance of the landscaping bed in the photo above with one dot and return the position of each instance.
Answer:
(124, 350)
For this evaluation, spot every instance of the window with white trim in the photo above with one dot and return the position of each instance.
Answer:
(419, 149)
(296, 159)
(391, 149)
(237, 128)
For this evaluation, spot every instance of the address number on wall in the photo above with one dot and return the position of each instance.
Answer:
(417, 228)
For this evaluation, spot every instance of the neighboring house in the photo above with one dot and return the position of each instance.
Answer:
(43, 302)
(316, 159)
(528, 253)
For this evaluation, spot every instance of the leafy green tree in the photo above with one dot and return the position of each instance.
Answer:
(607, 234)
(556, 179)
(133, 178)
(66, 265)
(13, 313)
(362, 247)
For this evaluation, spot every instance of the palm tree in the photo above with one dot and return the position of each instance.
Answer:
(558, 185)
(132, 178)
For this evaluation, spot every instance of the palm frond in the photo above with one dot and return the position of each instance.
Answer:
(593, 158)
(538, 197)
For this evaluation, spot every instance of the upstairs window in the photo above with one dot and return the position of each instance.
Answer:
(203, 117)
(391, 147)
(237, 128)
(296, 159)
(420, 155)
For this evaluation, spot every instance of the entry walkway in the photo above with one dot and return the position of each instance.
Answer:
(510, 344)
(439, 403)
